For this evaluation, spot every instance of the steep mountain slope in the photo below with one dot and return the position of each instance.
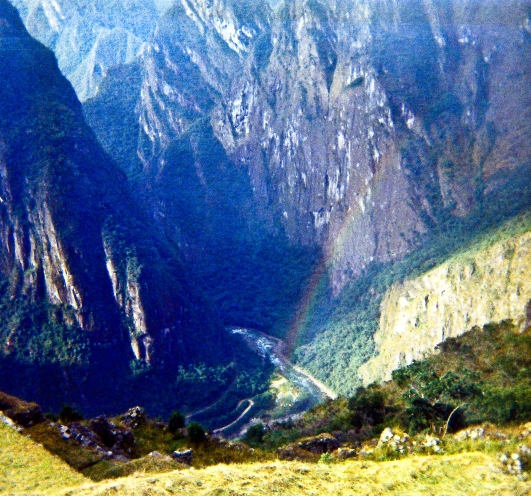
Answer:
(367, 123)
(239, 255)
(367, 132)
(88, 38)
(87, 285)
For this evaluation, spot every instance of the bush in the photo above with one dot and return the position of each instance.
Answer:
(69, 414)
(176, 421)
(196, 432)
(255, 435)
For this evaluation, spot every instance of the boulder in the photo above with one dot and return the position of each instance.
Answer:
(134, 417)
(160, 456)
(294, 453)
(394, 440)
(432, 442)
(21, 412)
(7, 421)
(185, 457)
(512, 463)
(323, 443)
(385, 436)
(475, 433)
(118, 439)
(345, 453)
(526, 430)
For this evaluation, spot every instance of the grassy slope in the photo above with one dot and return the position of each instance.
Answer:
(471, 474)
(27, 467)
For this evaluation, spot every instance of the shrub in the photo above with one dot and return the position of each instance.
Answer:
(176, 421)
(69, 414)
(255, 434)
(196, 432)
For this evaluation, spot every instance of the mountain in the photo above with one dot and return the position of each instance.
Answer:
(241, 258)
(88, 38)
(312, 158)
(366, 124)
(89, 288)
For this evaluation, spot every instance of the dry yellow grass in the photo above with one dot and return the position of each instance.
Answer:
(27, 468)
(466, 474)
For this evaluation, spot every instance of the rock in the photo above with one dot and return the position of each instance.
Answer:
(185, 457)
(524, 450)
(134, 417)
(431, 442)
(21, 412)
(323, 443)
(389, 438)
(118, 439)
(526, 430)
(365, 452)
(476, 433)
(512, 463)
(292, 453)
(385, 437)
(160, 456)
(345, 453)
(7, 421)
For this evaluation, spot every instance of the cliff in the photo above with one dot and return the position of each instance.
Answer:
(264, 139)
(481, 285)
(87, 285)
(365, 124)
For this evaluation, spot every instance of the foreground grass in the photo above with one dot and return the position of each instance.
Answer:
(27, 468)
(470, 474)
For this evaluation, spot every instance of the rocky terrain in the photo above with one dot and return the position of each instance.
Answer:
(89, 38)
(87, 285)
(361, 131)
(319, 163)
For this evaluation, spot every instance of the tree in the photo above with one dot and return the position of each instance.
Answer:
(255, 435)
(196, 432)
(176, 421)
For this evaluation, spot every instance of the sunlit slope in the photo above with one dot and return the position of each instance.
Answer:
(26, 467)
(400, 312)
(470, 474)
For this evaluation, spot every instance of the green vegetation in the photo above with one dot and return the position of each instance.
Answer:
(336, 336)
(69, 414)
(27, 468)
(176, 421)
(482, 376)
(254, 436)
(196, 432)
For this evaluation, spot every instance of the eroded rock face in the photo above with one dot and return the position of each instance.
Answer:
(473, 289)
(80, 266)
(197, 48)
(363, 123)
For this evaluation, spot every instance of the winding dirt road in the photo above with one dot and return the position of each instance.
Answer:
(244, 413)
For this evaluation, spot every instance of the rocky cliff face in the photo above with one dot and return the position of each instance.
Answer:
(365, 124)
(196, 50)
(354, 129)
(81, 268)
(88, 38)
(472, 289)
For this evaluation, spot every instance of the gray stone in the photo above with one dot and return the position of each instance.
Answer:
(185, 456)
